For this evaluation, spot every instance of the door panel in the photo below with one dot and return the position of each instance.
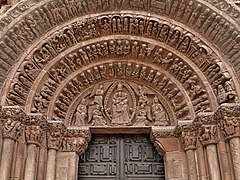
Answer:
(120, 157)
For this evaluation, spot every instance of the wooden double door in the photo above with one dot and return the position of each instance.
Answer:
(121, 157)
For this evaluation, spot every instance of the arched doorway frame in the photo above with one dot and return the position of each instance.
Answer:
(25, 8)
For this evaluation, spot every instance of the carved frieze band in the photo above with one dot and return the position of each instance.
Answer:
(206, 126)
(76, 140)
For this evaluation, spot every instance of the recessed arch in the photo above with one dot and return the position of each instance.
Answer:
(197, 36)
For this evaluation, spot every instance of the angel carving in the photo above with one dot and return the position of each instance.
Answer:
(143, 116)
(143, 111)
(98, 95)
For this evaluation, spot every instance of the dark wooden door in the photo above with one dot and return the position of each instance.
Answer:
(121, 157)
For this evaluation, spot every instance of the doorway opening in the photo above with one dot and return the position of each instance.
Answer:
(121, 157)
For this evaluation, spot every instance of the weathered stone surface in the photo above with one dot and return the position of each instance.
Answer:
(67, 163)
(176, 166)
(168, 68)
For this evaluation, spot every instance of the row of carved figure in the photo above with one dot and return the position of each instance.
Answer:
(79, 31)
(222, 84)
(199, 17)
(174, 36)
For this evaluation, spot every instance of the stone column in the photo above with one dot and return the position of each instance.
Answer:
(208, 137)
(54, 139)
(189, 140)
(75, 142)
(230, 127)
(201, 161)
(34, 135)
(235, 152)
(12, 129)
(1, 138)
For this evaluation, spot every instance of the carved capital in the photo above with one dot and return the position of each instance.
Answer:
(76, 140)
(230, 127)
(55, 133)
(189, 140)
(13, 118)
(188, 134)
(228, 120)
(14, 113)
(35, 126)
(208, 134)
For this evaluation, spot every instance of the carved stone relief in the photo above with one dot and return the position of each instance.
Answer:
(158, 29)
(68, 65)
(132, 71)
(221, 83)
(13, 124)
(228, 120)
(171, 74)
(208, 134)
(119, 103)
(36, 125)
(75, 140)
(27, 29)
(55, 133)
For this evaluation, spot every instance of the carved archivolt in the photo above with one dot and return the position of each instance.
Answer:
(169, 91)
(62, 51)
(122, 48)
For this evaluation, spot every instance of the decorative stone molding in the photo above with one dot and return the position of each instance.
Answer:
(228, 109)
(204, 118)
(13, 121)
(55, 132)
(161, 132)
(98, 26)
(35, 126)
(76, 140)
